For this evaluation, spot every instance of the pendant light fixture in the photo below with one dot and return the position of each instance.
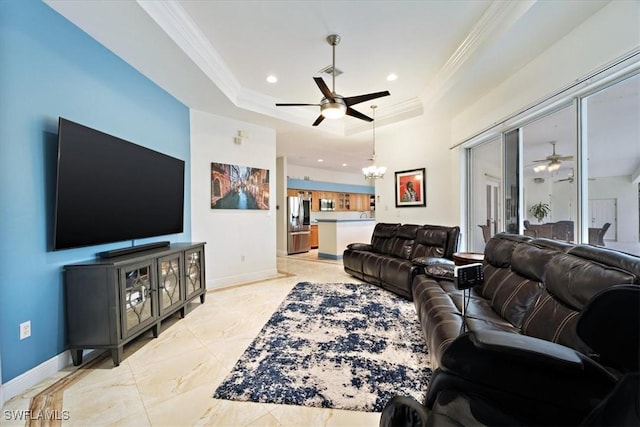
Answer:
(374, 171)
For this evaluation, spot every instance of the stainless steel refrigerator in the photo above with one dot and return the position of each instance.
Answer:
(299, 228)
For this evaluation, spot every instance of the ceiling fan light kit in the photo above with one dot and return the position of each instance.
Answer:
(333, 105)
(333, 110)
(552, 162)
(553, 166)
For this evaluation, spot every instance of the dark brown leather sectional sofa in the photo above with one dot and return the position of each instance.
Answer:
(397, 253)
(535, 287)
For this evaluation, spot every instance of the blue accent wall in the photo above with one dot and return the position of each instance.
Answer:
(303, 184)
(51, 68)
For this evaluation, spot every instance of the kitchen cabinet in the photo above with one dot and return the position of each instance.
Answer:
(360, 202)
(314, 236)
(343, 202)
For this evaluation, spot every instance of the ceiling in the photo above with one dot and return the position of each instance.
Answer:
(214, 56)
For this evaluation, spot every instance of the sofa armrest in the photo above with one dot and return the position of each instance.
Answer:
(436, 267)
(360, 247)
(531, 371)
(430, 260)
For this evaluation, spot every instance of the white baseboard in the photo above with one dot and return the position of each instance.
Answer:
(23, 382)
(50, 367)
(223, 282)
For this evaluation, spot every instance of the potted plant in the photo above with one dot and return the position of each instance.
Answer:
(540, 210)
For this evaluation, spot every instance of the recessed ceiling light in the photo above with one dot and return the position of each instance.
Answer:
(344, 164)
(320, 160)
(391, 77)
(272, 79)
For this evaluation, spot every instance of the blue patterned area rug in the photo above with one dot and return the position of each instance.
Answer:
(341, 346)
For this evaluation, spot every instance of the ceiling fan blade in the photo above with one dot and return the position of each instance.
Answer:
(296, 105)
(318, 120)
(353, 113)
(353, 100)
(539, 161)
(565, 158)
(324, 89)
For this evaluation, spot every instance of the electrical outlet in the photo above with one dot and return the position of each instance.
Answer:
(25, 329)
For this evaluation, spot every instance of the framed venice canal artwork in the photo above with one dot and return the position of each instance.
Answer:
(239, 187)
(410, 188)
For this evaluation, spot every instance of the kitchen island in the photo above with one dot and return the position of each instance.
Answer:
(335, 234)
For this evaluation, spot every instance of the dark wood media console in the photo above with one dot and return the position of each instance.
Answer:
(111, 301)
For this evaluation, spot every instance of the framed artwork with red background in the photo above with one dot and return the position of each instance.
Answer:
(410, 188)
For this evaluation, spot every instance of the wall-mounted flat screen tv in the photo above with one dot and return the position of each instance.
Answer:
(111, 190)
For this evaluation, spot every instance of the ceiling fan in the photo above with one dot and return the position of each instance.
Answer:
(570, 178)
(552, 162)
(333, 105)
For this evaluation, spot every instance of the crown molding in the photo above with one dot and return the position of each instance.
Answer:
(389, 114)
(174, 20)
(496, 19)
(176, 23)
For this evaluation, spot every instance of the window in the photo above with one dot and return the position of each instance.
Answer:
(579, 158)
(611, 141)
(485, 163)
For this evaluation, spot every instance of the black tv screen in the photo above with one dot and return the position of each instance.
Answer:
(111, 190)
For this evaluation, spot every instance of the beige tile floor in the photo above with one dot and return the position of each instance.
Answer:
(170, 380)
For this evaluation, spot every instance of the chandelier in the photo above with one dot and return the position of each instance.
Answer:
(374, 171)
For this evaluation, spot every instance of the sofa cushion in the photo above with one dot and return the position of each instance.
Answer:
(430, 242)
(401, 244)
(396, 275)
(553, 321)
(382, 234)
(574, 280)
(510, 294)
(371, 266)
(621, 260)
(499, 249)
(530, 261)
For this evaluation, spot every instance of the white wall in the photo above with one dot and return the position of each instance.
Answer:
(281, 207)
(232, 234)
(420, 142)
(626, 194)
(607, 35)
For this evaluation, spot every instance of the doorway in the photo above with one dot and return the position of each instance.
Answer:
(602, 211)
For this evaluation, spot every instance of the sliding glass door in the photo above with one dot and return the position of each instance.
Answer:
(549, 175)
(486, 193)
(571, 173)
(611, 176)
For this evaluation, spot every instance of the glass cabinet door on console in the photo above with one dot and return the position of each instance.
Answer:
(194, 272)
(138, 300)
(170, 290)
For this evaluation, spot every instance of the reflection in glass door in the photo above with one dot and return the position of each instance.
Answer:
(611, 135)
(485, 193)
(549, 146)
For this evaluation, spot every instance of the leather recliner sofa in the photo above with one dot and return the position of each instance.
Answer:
(489, 378)
(397, 253)
(533, 287)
